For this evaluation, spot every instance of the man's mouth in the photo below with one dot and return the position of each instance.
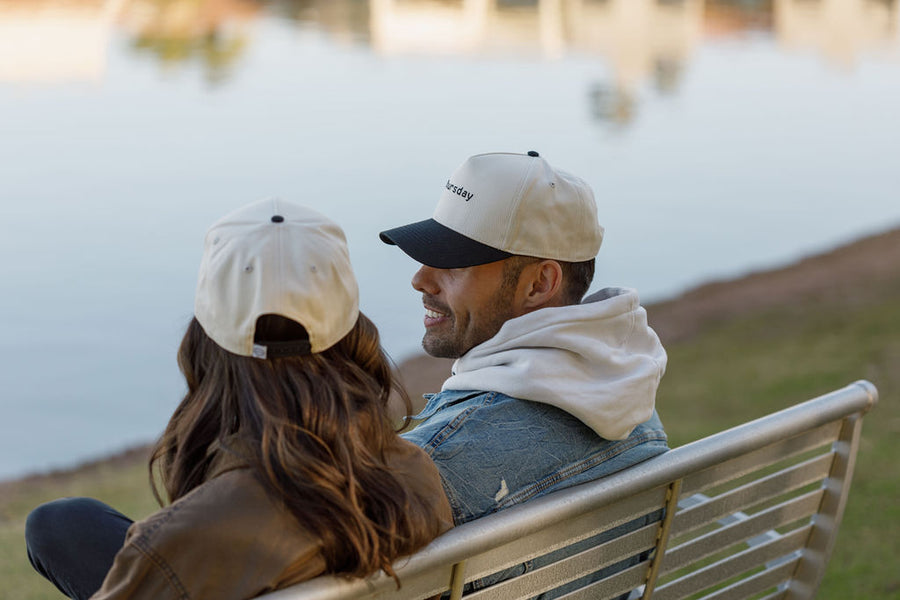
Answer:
(433, 317)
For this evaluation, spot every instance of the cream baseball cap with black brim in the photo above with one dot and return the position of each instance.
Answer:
(273, 257)
(502, 204)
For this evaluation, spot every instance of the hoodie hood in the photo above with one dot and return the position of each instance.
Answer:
(598, 360)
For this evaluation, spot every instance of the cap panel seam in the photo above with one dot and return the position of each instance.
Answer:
(516, 204)
(279, 233)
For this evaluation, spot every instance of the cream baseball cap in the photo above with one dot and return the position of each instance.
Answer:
(275, 257)
(502, 204)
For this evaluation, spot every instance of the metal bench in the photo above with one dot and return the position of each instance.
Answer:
(749, 512)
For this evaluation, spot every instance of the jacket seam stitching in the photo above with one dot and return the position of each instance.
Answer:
(453, 426)
(165, 568)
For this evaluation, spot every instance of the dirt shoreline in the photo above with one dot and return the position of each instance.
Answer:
(845, 273)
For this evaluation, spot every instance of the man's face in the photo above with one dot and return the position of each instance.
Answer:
(463, 307)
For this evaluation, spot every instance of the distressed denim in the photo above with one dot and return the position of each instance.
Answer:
(494, 451)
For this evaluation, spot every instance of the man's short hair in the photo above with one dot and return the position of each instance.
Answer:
(577, 276)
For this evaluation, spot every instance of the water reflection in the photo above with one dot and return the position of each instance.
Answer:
(470, 27)
(49, 41)
(725, 19)
(345, 21)
(839, 30)
(213, 33)
(642, 40)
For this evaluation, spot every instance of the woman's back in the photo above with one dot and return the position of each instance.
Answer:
(228, 538)
(281, 462)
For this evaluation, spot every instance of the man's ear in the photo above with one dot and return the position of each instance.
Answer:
(543, 285)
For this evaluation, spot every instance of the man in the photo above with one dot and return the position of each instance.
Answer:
(547, 390)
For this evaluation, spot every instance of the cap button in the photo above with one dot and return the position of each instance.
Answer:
(533, 153)
(277, 219)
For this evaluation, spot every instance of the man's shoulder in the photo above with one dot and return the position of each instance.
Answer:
(482, 413)
(451, 402)
(460, 417)
(449, 412)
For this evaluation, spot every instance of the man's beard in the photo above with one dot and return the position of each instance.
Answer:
(454, 343)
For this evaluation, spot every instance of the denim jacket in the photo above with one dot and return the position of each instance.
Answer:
(494, 451)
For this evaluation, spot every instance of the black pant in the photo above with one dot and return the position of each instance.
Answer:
(73, 541)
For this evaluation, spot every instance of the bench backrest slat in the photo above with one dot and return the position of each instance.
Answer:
(722, 570)
(573, 567)
(754, 492)
(613, 586)
(767, 455)
(748, 511)
(758, 583)
(744, 529)
(576, 529)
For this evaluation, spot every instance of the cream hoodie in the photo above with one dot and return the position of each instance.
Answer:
(598, 360)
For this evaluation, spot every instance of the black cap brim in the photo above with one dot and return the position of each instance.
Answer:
(438, 246)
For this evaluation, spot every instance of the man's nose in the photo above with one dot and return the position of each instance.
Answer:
(424, 281)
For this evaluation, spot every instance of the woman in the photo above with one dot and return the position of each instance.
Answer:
(281, 462)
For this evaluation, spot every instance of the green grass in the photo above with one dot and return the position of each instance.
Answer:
(742, 369)
(727, 374)
(122, 485)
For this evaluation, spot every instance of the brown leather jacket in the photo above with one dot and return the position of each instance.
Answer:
(227, 539)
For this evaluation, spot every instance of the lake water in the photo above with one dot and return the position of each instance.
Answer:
(720, 137)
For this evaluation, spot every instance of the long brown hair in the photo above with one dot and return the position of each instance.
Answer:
(318, 433)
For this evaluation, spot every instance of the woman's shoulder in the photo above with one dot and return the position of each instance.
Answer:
(224, 506)
(412, 465)
(405, 457)
(227, 527)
